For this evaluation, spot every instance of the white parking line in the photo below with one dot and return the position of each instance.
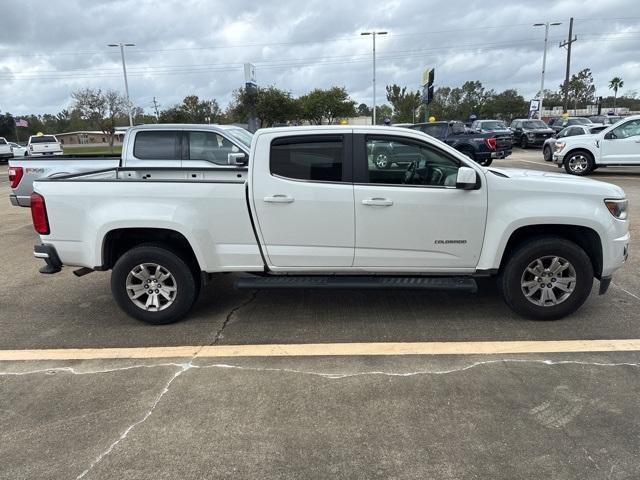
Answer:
(328, 349)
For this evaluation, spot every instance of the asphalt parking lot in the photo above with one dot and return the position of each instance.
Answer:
(327, 397)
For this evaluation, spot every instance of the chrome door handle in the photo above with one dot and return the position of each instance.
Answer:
(279, 199)
(377, 202)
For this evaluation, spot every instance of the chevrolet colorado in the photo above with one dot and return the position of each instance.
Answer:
(308, 208)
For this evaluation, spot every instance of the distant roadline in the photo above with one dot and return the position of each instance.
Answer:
(327, 349)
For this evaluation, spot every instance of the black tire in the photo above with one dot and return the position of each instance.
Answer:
(546, 153)
(186, 282)
(511, 278)
(523, 142)
(579, 163)
(486, 162)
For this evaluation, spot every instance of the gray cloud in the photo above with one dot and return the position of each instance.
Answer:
(48, 49)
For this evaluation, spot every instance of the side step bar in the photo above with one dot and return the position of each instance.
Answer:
(459, 284)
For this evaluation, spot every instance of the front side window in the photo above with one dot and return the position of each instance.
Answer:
(317, 158)
(156, 145)
(211, 147)
(626, 130)
(408, 162)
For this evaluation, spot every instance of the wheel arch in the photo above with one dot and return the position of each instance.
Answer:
(120, 240)
(587, 238)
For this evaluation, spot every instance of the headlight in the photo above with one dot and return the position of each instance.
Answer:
(618, 208)
(560, 146)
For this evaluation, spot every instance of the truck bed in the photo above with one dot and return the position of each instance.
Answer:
(34, 168)
(207, 205)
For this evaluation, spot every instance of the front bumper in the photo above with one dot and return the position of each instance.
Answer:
(49, 254)
(558, 158)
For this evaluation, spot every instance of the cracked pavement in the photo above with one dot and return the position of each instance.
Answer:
(560, 415)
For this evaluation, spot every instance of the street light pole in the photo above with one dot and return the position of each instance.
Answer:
(544, 61)
(373, 34)
(124, 71)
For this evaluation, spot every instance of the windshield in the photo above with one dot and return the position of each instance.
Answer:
(579, 121)
(493, 126)
(2, 141)
(43, 139)
(241, 135)
(534, 124)
(611, 120)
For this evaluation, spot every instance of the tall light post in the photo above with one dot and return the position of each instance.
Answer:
(373, 34)
(124, 71)
(546, 26)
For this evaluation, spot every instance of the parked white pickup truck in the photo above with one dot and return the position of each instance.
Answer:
(166, 145)
(617, 145)
(5, 150)
(311, 210)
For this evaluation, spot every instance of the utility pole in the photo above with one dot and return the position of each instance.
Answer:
(124, 70)
(155, 108)
(546, 26)
(374, 33)
(567, 43)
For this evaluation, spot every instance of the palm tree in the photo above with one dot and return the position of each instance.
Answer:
(615, 83)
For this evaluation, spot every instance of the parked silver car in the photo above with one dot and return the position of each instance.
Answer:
(549, 143)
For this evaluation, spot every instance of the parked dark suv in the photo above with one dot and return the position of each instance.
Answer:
(530, 132)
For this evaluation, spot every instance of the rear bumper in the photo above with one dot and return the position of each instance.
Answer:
(49, 254)
(6, 156)
(45, 154)
(20, 201)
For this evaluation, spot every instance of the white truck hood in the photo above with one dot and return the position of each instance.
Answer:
(523, 180)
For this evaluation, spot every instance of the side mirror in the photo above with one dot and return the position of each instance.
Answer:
(237, 159)
(609, 136)
(466, 179)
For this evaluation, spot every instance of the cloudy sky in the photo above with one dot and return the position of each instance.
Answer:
(50, 48)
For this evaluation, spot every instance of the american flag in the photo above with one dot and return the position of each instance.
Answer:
(21, 123)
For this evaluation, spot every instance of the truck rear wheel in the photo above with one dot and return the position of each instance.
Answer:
(153, 284)
(546, 279)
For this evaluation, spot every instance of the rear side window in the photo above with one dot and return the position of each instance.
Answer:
(160, 145)
(317, 158)
(43, 139)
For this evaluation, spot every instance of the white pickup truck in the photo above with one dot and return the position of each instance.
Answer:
(617, 145)
(167, 145)
(5, 150)
(310, 209)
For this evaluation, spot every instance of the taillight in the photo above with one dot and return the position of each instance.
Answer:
(15, 175)
(31, 147)
(490, 142)
(39, 214)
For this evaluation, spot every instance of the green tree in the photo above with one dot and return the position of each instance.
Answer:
(272, 106)
(363, 110)
(404, 103)
(614, 84)
(102, 110)
(505, 105)
(383, 111)
(581, 88)
(329, 105)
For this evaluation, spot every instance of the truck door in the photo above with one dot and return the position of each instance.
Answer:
(302, 197)
(622, 144)
(412, 217)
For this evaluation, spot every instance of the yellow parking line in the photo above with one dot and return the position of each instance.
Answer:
(327, 349)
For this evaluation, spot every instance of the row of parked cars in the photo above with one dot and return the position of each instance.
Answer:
(36, 145)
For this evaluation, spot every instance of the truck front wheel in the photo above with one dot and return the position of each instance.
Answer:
(153, 284)
(547, 278)
(579, 163)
